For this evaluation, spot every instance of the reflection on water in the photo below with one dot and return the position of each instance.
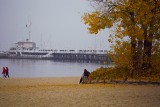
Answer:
(45, 68)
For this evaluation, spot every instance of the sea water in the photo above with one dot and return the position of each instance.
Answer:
(45, 68)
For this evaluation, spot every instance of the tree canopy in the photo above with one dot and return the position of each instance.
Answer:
(139, 20)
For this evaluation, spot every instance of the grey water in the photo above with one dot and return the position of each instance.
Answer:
(45, 68)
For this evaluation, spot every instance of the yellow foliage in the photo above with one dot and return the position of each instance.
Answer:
(96, 21)
(136, 19)
(122, 54)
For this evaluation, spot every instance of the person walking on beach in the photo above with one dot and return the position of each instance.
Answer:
(4, 72)
(7, 72)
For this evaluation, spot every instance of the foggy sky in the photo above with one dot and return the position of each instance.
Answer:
(55, 24)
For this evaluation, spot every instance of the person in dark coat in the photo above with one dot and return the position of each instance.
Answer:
(84, 77)
(7, 72)
(86, 73)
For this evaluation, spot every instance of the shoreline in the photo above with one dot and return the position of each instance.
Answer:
(75, 80)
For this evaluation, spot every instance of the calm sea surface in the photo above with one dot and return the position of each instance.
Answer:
(45, 68)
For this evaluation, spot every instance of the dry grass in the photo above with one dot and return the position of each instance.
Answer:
(66, 92)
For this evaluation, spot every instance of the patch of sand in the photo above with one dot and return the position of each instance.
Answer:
(66, 92)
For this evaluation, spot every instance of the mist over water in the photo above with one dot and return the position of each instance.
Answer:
(45, 68)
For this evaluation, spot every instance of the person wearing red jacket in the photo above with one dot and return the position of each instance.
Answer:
(4, 72)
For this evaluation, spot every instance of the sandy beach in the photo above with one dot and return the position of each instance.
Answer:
(66, 92)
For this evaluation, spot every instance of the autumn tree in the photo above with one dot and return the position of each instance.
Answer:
(139, 20)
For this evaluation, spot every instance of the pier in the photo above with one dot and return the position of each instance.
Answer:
(63, 56)
(80, 57)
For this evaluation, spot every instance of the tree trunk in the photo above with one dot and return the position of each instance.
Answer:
(147, 53)
(148, 41)
(133, 46)
(133, 56)
(139, 56)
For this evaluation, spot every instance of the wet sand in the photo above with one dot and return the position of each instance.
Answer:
(66, 92)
